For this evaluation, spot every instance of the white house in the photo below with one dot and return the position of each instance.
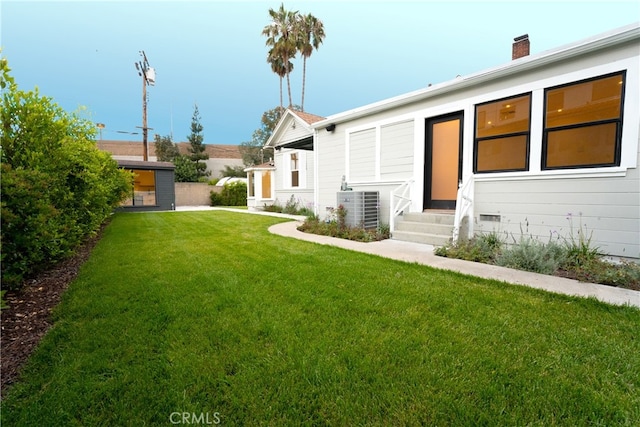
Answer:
(292, 145)
(545, 145)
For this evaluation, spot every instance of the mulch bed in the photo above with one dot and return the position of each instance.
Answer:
(28, 317)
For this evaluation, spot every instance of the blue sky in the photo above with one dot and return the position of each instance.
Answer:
(211, 53)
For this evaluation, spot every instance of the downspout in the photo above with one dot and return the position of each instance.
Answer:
(316, 168)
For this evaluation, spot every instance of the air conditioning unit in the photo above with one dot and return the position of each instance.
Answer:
(362, 208)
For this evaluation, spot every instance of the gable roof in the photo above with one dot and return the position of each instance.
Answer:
(307, 117)
(606, 40)
(283, 136)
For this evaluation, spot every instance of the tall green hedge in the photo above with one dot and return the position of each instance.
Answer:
(57, 187)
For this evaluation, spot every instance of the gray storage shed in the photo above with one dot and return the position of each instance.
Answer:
(153, 188)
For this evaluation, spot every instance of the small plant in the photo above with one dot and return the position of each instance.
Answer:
(274, 207)
(531, 255)
(3, 302)
(578, 246)
(482, 248)
(384, 231)
(341, 214)
(292, 207)
(338, 228)
(624, 274)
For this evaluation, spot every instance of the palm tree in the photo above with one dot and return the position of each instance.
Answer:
(310, 36)
(281, 36)
(278, 67)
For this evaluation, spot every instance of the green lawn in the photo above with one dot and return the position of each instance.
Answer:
(208, 314)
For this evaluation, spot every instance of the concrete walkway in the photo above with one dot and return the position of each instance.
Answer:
(423, 254)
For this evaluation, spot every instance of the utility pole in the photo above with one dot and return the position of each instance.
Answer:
(148, 75)
(100, 126)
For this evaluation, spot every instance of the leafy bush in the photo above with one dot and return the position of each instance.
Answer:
(574, 258)
(338, 228)
(233, 194)
(482, 248)
(186, 170)
(531, 255)
(57, 187)
(625, 273)
(292, 207)
(216, 199)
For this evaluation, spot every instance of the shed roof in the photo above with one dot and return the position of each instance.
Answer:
(138, 164)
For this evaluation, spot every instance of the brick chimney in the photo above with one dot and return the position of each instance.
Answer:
(520, 47)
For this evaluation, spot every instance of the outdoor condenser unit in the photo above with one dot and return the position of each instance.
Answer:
(362, 208)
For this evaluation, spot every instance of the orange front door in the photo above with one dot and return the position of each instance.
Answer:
(442, 161)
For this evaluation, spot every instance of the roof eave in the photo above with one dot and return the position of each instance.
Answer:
(593, 44)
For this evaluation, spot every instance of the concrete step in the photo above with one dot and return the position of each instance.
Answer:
(424, 238)
(424, 227)
(430, 217)
(432, 228)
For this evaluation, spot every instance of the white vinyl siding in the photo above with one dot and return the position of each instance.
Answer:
(396, 150)
(362, 155)
(606, 209)
(331, 156)
(294, 132)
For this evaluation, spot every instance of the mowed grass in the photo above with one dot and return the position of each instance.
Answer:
(208, 314)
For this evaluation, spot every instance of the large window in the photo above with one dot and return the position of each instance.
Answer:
(144, 189)
(251, 184)
(502, 135)
(582, 123)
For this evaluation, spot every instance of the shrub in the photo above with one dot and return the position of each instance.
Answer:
(531, 255)
(216, 199)
(292, 207)
(625, 274)
(233, 194)
(57, 187)
(574, 258)
(275, 207)
(482, 248)
(186, 170)
(339, 229)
